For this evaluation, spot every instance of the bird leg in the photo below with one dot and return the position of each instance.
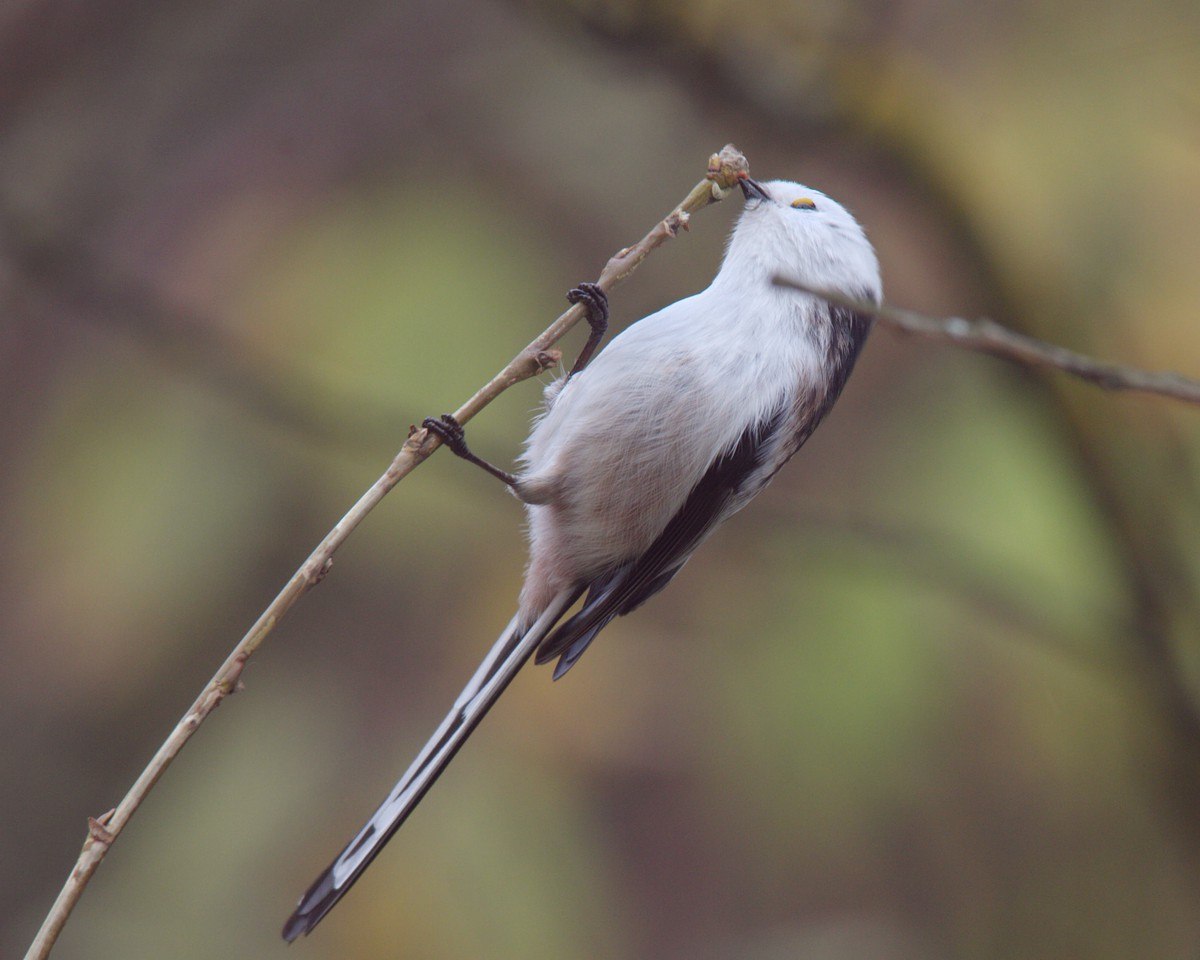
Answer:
(596, 302)
(450, 432)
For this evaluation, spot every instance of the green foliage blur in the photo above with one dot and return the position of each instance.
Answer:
(933, 695)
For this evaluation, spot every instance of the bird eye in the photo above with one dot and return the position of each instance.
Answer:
(803, 204)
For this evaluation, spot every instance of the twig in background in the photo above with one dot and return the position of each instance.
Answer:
(987, 336)
(724, 170)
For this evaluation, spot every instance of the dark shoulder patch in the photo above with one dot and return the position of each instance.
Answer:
(848, 333)
(848, 330)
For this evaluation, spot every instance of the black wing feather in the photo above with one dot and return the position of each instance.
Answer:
(620, 591)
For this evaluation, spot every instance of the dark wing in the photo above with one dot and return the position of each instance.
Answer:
(619, 591)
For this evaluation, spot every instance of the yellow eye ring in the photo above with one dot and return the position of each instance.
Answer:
(804, 203)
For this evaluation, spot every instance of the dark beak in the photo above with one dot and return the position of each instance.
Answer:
(753, 190)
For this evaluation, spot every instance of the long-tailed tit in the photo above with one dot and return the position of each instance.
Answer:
(644, 452)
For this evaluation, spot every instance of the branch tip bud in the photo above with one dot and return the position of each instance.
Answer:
(727, 167)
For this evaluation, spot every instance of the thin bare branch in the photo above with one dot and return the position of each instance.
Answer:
(724, 170)
(987, 336)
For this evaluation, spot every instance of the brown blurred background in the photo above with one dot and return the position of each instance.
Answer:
(934, 695)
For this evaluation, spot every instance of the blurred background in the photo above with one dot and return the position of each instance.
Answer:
(934, 695)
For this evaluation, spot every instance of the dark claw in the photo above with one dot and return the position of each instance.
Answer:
(596, 301)
(449, 431)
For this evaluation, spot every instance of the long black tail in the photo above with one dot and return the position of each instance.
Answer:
(503, 661)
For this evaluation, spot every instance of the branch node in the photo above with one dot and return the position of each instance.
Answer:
(321, 572)
(97, 832)
(413, 445)
(231, 682)
(546, 359)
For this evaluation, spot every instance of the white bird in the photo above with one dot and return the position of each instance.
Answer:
(643, 453)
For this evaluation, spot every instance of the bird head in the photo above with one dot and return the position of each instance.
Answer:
(795, 231)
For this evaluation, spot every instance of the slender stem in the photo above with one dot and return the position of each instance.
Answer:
(724, 170)
(987, 336)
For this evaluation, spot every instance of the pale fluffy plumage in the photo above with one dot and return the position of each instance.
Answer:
(637, 458)
(625, 440)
